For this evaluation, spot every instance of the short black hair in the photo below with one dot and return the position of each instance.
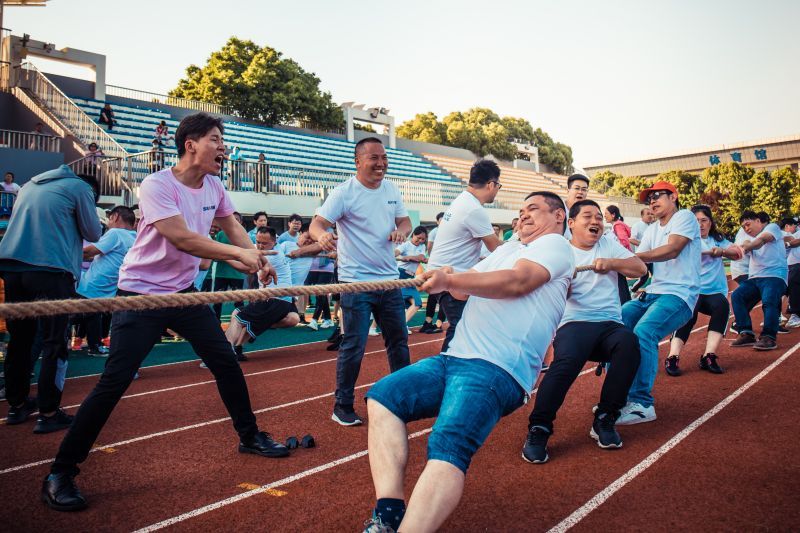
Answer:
(420, 229)
(614, 210)
(439, 216)
(193, 127)
(575, 210)
(305, 227)
(483, 171)
(258, 214)
(748, 214)
(788, 221)
(577, 177)
(554, 202)
(295, 216)
(763, 216)
(268, 229)
(9, 172)
(125, 213)
(366, 140)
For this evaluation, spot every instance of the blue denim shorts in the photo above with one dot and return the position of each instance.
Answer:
(468, 397)
(410, 292)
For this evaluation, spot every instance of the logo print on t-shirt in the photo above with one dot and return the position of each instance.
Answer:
(209, 207)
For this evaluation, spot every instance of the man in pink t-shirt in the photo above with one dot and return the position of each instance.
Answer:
(178, 206)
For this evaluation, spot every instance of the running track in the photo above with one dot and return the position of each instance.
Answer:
(722, 456)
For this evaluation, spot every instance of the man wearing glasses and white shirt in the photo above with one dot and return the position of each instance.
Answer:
(464, 227)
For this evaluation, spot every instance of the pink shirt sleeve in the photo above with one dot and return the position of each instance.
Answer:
(157, 201)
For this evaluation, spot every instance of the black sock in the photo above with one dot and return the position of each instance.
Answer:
(390, 511)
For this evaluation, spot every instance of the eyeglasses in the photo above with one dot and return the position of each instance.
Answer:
(497, 184)
(655, 195)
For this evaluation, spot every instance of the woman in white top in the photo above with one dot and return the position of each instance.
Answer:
(713, 300)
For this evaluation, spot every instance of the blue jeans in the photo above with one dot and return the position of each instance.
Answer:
(747, 295)
(652, 319)
(468, 397)
(389, 311)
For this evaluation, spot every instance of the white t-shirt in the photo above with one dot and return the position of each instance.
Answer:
(679, 276)
(281, 265)
(637, 231)
(432, 234)
(514, 333)
(742, 266)
(595, 297)
(407, 249)
(793, 254)
(712, 270)
(769, 261)
(365, 218)
(463, 226)
(567, 231)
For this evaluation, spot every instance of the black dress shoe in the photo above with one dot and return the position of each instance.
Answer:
(59, 492)
(262, 444)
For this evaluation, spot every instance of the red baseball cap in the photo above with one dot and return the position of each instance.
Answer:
(657, 186)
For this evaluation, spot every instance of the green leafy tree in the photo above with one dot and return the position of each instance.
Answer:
(629, 186)
(424, 127)
(773, 191)
(603, 181)
(479, 130)
(729, 191)
(258, 83)
(364, 127)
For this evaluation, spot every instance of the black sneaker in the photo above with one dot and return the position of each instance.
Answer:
(59, 492)
(335, 335)
(55, 422)
(426, 327)
(604, 432)
(765, 343)
(782, 330)
(535, 449)
(18, 415)
(263, 444)
(334, 345)
(240, 356)
(436, 329)
(671, 366)
(709, 362)
(346, 416)
(744, 339)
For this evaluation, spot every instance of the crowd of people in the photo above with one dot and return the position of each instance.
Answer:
(513, 305)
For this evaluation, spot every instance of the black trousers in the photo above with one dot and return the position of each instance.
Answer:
(225, 284)
(714, 305)
(622, 287)
(133, 335)
(430, 308)
(453, 308)
(576, 343)
(794, 289)
(26, 287)
(322, 306)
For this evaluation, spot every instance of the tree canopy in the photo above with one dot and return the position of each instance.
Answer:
(483, 132)
(258, 83)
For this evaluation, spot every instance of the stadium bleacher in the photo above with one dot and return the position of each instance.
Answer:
(135, 130)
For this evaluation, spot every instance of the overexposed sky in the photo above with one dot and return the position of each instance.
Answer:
(616, 80)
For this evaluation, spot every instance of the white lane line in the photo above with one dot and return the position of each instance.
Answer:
(275, 484)
(583, 511)
(264, 488)
(260, 372)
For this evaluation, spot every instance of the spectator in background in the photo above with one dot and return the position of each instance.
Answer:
(295, 223)
(227, 277)
(622, 234)
(262, 174)
(100, 281)
(433, 299)
(236, 159)
(38, 141)
(9, 185)
(156, 156)
(92, 159)
(162, 133)
(507, 235)
(637, 232)
(260, 220)
(34, 266)
(107, 117)
(207, 280)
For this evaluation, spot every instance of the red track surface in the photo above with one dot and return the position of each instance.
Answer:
(737, 471)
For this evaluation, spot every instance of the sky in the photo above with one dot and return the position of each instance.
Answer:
(616, 80)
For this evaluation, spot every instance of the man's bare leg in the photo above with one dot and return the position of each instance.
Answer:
(435, 496)
(388, 451)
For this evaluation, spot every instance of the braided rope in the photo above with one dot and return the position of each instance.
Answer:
(18, 311)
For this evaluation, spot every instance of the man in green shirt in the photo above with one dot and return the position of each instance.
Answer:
(507, 235)
(227, 277)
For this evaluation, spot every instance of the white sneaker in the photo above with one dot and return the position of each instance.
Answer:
(373, 332)
(325, 324)
(794, 322)
(783, 319)
(313, 324)
(409, 331)
(636, 413)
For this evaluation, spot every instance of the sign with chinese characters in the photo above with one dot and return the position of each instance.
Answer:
(761, 154)
(713, 159)
(736, 156)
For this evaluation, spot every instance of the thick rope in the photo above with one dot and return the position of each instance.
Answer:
(17, 311)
